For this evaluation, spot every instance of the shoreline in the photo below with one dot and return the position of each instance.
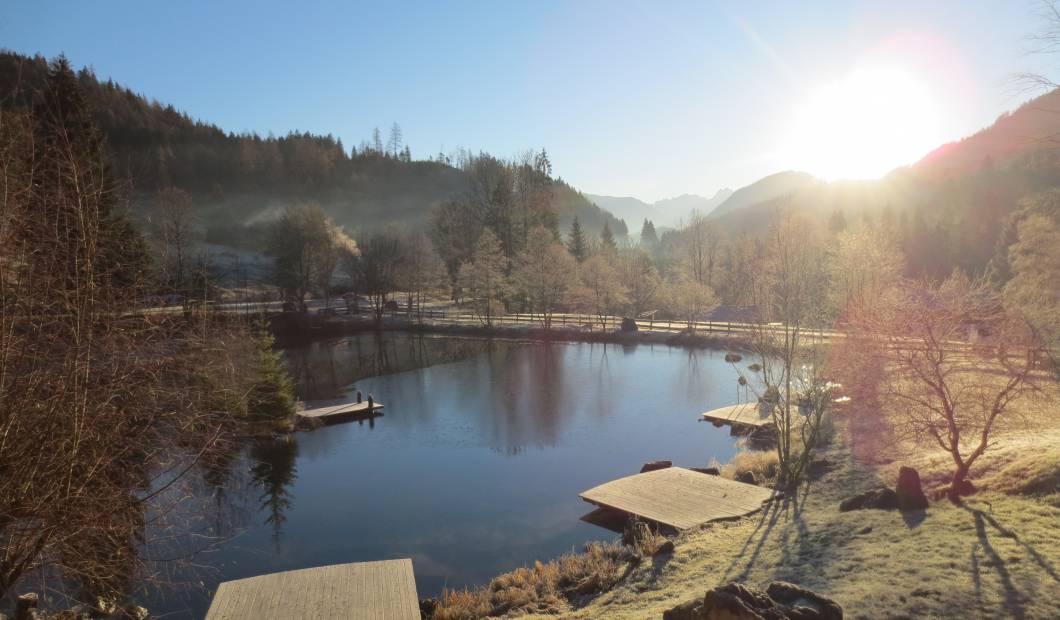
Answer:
(285, 326)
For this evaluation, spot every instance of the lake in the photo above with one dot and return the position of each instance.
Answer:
(474, 468)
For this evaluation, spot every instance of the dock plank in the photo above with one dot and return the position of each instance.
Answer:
(339, 411)
(678, 497)
(360, 591)
(744, 414)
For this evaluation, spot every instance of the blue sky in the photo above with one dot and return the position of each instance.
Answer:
(650, 99)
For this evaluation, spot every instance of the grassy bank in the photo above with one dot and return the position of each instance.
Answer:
(996, 555)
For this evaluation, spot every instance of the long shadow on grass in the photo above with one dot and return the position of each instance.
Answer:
(752, 548)
(1013, 597)
(1013, 603)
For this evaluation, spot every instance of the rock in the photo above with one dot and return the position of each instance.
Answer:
(780, 601)
(689, 610)
(666, 548)
(629, 325)
(738, 602)
(710, 471)
(427, 608)
(881, 499)
(910, 493)
(25, 606)
(747, 476)
(655, 465)
(819, 466)
(799, 599)
(865, 530)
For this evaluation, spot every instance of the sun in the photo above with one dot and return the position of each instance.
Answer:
(864, 125)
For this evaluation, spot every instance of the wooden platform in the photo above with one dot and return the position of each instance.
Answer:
(359, 591)
(745, 414)
(341, 412)
(678, 497)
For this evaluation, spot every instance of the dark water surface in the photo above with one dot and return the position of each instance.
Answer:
(476, 466)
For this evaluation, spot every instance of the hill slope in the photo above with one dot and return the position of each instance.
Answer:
(768, 188)
(668, 212)
(238, 180)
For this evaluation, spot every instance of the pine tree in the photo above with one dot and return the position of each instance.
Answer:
(393, 146)
(607, 239)
(377, 141)
(76, 167)
(576, 241)
(647, 233)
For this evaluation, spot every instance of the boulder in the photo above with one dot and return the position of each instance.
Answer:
(689, 610)
(800, 599)
(428, 607)
(629, 325)
(747, 477)
(735, 601)
(910, 493)
(819, 466)
(26, 605)
(666, 548)
(654, 465)
(710, 471)
(881, 498)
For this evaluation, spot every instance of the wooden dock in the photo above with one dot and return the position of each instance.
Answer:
(678, 497)
(341, 412)
(745, 414)
(358, 591)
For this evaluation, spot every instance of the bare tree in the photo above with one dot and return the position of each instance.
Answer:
(176, 234)
(793, 393)
(420, 271)
(957, 361)
(482, 278)
(862, 264)
(639, 276)
(601, 291)
(377, 269)
(702, 244)
(545, 274)
(302, 245)
(690, 299)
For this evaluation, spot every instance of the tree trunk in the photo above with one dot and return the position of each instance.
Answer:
(959, 485)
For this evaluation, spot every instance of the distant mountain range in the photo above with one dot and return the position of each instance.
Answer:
(665, 213)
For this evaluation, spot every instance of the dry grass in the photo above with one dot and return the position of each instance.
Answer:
(544, 588)
(762, 463)
(642, 538)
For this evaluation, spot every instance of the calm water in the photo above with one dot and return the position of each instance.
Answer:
(476, 466)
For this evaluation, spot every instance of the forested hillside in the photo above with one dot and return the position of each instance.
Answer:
(949, 209)
(237, 181)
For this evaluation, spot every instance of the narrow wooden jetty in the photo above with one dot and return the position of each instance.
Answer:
(678, 497)
(358, 591)
(746, 415)
(341, 412)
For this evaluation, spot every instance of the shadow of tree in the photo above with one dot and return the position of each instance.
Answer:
(766, 522)
(1013, 597)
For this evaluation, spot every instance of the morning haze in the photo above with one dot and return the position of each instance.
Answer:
(558, 309)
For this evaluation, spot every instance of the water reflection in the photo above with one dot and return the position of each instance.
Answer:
(274, 472)
(476, 466)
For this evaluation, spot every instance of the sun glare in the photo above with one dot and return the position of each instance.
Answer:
(864, 125)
